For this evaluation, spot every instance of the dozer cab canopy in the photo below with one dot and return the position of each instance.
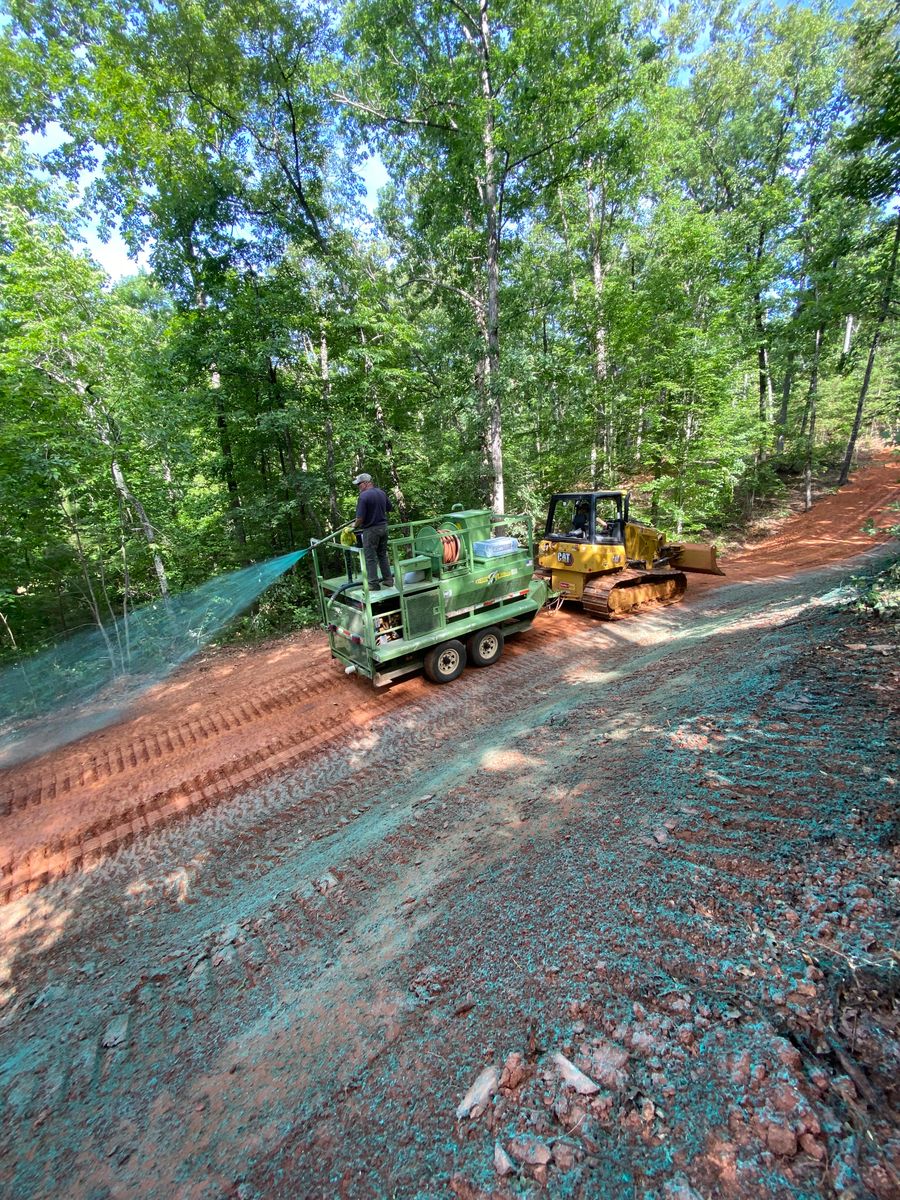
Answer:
(592, 518)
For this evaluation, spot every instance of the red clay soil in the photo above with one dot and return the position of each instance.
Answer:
(237, 717)
(614, 917)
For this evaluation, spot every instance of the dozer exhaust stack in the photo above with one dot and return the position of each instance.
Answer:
(699, 557)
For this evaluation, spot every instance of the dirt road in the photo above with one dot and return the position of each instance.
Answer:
(262, 938)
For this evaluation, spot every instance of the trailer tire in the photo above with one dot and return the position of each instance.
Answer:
(485, 646)
(445, 662)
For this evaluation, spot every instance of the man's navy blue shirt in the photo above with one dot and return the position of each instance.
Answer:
(372, 507)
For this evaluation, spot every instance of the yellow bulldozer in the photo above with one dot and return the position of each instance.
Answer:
(592, 551)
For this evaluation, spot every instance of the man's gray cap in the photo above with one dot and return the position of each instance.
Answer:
(363, 479)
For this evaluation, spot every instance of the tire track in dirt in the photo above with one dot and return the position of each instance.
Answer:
(84, 846)
(32, 788)
(724, 849)
(247, 993)
(67, 813)
(661, 924)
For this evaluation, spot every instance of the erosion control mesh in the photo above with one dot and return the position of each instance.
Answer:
(85, 682)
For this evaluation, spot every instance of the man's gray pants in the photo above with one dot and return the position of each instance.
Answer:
(374, 540)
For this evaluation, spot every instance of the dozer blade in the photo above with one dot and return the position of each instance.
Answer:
(615, 596)
(696, 556)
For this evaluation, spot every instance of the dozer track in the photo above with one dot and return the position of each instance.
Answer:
(614, 596)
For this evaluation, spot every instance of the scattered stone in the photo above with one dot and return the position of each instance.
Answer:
(781, 1140)
(661, 836)
(227, 954)
(199, 975)
(325, 883)
(532, 1151)
(819, 1078)
(116, 1032)
(643, 1041)
(503, 1164)
(813, 1148)
(786, 1099)
(514, 1072)
(480, 1091)
(677, 1002)
(740, 1069)
(844, 1087)
(605, 1061)
(574, 1078)
(464, 1006)
(564, 1154)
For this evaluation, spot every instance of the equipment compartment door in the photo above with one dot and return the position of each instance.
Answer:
(423, 613)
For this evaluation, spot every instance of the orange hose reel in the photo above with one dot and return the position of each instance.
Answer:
(451, 546)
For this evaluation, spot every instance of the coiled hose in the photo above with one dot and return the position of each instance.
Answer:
(451, 546)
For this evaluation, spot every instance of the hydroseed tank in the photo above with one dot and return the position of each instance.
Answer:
(462, 585)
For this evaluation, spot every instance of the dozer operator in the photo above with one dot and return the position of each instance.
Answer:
(594, 552)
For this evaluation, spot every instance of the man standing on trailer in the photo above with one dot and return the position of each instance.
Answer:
(372, 509)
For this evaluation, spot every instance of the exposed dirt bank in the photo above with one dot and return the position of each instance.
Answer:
(237, 717)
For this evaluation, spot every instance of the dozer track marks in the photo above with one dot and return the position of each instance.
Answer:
(617, 595)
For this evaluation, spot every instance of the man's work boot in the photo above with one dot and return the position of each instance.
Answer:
(387, 583)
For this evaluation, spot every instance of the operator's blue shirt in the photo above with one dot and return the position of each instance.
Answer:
(372, 507)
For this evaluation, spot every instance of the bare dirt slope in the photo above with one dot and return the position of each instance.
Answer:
(237, 717)
(262, 938)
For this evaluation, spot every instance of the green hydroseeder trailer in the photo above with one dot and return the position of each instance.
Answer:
(462, 585)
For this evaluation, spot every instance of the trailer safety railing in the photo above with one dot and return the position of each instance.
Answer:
(419, 553)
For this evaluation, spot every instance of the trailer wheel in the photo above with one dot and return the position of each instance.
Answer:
(485, 646)
(445, 662)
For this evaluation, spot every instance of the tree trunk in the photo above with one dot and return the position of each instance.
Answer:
(873, 347)
(786, 385)
(149, 532)
(490, 199)
(849, 329)
(234, 496)
(329, 430)
(105, 432)
(294, 470)
(90, 593)
(762, 360)
(811, 409)
(762, 352)
(386, 439)
(596, 210)
(235, 512)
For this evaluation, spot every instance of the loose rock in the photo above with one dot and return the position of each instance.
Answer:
(480, 1091)
(116, 1031)
(514, 1072)
(574, 1078)
(503, 1164)
(781, 1140)
(530, 1150)
(564, 1155)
